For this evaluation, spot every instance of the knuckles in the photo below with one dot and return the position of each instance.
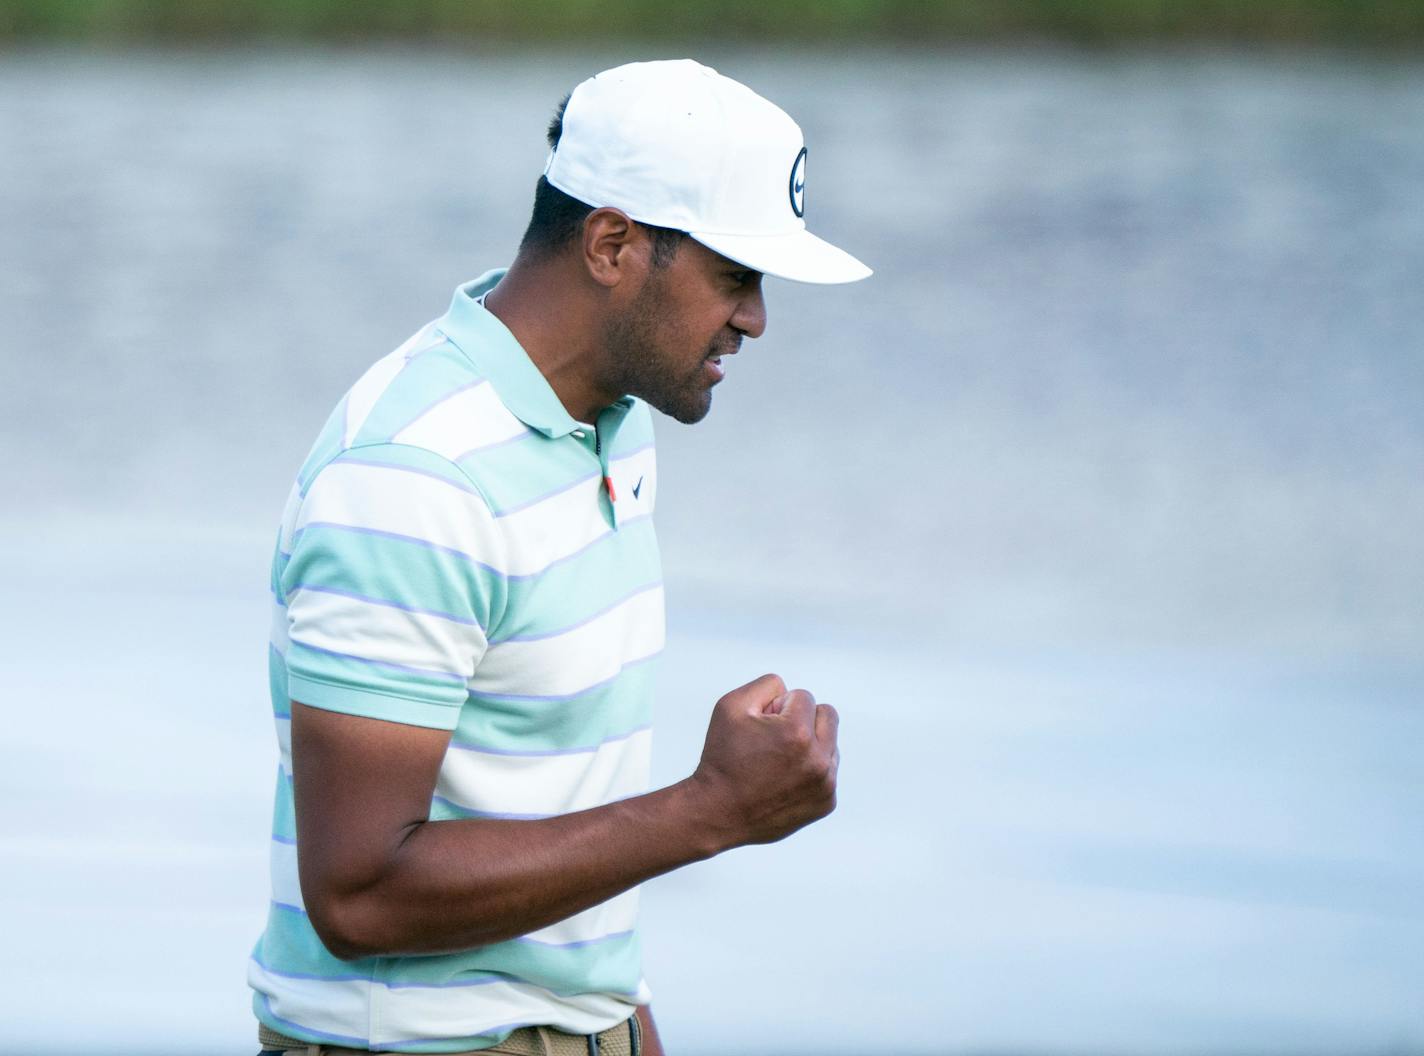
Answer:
(800, 739)
(766, 687)
(775, 684)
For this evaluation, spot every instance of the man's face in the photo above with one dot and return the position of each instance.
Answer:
(668, 345)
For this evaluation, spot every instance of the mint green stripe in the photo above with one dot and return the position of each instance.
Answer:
(443, 810)
(605, 571)
(409, 702)
(611, 710)
(579, 611)
(398, 570)
(290, 944)
(277, 684)
(515, 474)
(424, 380)
(284, 810)
(635, 432)
(328, 444)
(610, 964)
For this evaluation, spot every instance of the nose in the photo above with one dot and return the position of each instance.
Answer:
(750, 316)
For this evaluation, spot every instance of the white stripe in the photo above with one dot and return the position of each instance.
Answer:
(576, 659)
(290, 512)
(286, 884)
(614, 917)
(431, 1013)
(379, 632)
(390, 499)
(363, 395)
(407, 1013)
(324, 1005)
(469, 419)
(553, 528)
(284, 743)
(546, 784)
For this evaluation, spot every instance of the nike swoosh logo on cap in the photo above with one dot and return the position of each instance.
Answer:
(797, 184)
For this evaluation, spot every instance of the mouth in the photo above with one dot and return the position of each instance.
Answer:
(714, 361)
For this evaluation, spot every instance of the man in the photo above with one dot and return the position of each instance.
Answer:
(468, 598)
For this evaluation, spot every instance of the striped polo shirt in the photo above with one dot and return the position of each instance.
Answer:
(459, 553)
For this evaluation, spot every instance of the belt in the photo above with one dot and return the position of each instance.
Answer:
(625, 1039)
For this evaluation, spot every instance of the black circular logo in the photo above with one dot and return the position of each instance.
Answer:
(798, 184)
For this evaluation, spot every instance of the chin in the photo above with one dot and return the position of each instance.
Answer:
(687, 411)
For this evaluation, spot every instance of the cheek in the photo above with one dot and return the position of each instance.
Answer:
(690, 321)
(688, 334)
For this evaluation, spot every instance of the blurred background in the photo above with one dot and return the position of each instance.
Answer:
(1098, 512)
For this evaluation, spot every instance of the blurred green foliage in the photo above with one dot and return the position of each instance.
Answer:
(1386, 23)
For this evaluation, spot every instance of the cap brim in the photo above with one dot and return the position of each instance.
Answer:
(799, 256)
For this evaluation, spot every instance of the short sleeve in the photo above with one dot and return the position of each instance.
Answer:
(392, 582)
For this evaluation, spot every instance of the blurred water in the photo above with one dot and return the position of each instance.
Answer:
(1097, 512)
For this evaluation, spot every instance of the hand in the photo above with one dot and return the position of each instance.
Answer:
(769, 763)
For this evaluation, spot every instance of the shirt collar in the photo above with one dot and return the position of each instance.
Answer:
(499, 357)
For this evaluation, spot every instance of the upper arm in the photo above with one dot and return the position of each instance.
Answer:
(360, 785)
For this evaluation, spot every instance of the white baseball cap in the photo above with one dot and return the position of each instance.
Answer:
(675, 144)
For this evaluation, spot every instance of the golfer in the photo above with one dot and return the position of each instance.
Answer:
(469, 604)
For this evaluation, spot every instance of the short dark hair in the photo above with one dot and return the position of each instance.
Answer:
(557, 218)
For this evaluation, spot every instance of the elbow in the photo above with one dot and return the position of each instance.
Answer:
(345, 927)
(348, 908)
(353, 927)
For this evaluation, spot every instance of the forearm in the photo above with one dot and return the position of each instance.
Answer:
(378, 878)
(452, 885)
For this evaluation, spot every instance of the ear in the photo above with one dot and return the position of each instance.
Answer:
(615, 249)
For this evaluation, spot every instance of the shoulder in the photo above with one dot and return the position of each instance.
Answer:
(425, 405)
(426, 394)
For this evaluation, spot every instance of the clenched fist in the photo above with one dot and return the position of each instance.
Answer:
(769, 764)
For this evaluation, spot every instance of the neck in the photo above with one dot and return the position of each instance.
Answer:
(556, 319)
